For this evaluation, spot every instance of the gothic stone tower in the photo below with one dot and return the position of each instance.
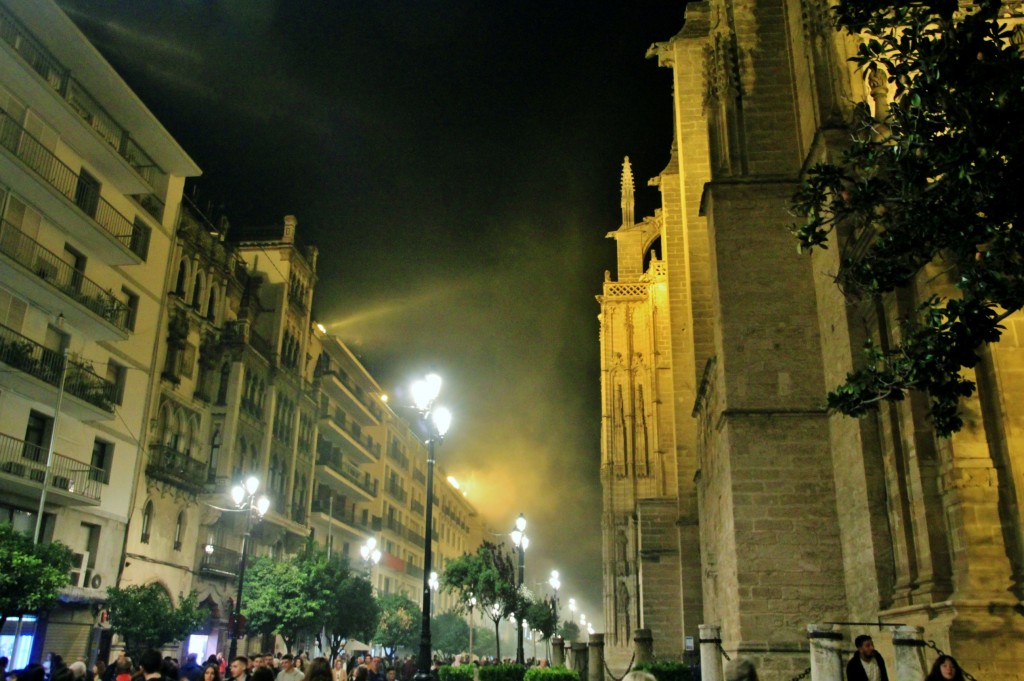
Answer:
(804, 516)
(649, 545)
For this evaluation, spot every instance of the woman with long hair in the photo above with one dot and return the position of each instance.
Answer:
(211, 672)
(946, 668)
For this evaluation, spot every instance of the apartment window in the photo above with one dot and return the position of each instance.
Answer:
(87, 193)
(12, 311)
(37, 436)
(102, 460)
(76, 260)
(140, 238)
(179, 530)
(147, 521)
(117, 374)
(92, 543)
(130, 299)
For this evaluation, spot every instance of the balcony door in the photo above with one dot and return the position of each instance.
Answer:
(87, 193)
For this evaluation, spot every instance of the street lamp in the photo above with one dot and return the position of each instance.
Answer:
(471, 603)
(370, 553)
(437, 420)
(555, 583)
(521, 541)
(572, 609)
(245, 499)
(434, 585)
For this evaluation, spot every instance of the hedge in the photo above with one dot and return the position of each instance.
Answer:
(666, 670)
(552, 674)
(502, 672)
(463, 673)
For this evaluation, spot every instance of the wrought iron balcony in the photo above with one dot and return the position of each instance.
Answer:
(33, 359)
(58, 77)
(54, 172)
(167, 464)
(395, 491)
(23, 468)
(221, 562)
(48, 267)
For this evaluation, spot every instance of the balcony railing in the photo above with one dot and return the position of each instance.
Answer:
(355, 390)
(59, 78)
(176, 468)
(416, 507)
(49, 267)
(419, 476)
(53, 171)
(395, 491)
(398, 457)
(348, 470)
(26, 460)
(19, 352)
(241, 331)
(222, 562)
(413, 571)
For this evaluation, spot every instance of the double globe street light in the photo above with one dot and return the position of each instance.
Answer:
(246, 501)
(437, 420)
(521, 542)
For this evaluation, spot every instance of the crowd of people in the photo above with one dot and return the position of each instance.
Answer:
(866, 664)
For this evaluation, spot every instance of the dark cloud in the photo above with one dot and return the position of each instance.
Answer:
(457, 163)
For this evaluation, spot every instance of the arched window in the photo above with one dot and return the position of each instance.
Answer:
(179, 286)
(211, 308)
(147, 521)
(179, 530)
(197, 292)
(222, 389)
(178, 436)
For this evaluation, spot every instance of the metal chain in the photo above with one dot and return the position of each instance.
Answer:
(967, 675)
(629, 668)
(802, 675)
(722, 650)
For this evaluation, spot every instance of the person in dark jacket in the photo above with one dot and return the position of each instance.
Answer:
(192, 670)
(866, 664)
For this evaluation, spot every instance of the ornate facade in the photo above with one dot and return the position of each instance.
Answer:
(719, 343)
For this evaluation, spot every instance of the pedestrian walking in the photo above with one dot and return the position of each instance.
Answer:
(866, 664)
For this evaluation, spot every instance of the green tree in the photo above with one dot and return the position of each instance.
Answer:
(277, 599)
(483, 641)
(541, 617)
(489, 575)
(928, 185)
(144, 617)
(31, 575)
(398, 624)
(570, 631)
(449, 633)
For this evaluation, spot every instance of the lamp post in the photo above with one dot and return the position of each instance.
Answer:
(246, 502)
(434, 584)
(521, 542)
(471, 603)
(437, 420)
(371, 556)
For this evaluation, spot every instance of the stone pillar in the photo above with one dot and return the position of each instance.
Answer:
(826, 656)
(579, 659)
(643, 646)
(710, 655)
(909, 663)
(595, 658)
(557, 651)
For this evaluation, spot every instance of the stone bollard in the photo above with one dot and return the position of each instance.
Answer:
(826, 656)
(557, 652)
(710, 655)
(579, 659)
(909, 663)
(595, 658)
(643, 646)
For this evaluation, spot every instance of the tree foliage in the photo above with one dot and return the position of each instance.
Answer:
(31, 575)
(489, 575)
(541, 617)
(934, 181)
(449, 634)
(570, 631)
(398, 624)
(347, 608)
(144, 617)
(277, 599)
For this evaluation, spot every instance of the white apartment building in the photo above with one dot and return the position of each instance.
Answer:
(90, 187)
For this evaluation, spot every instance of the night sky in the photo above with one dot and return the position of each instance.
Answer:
(457, 164)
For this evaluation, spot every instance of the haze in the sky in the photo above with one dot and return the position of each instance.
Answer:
(457, 164)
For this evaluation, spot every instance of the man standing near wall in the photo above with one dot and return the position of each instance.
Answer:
(866, 664)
